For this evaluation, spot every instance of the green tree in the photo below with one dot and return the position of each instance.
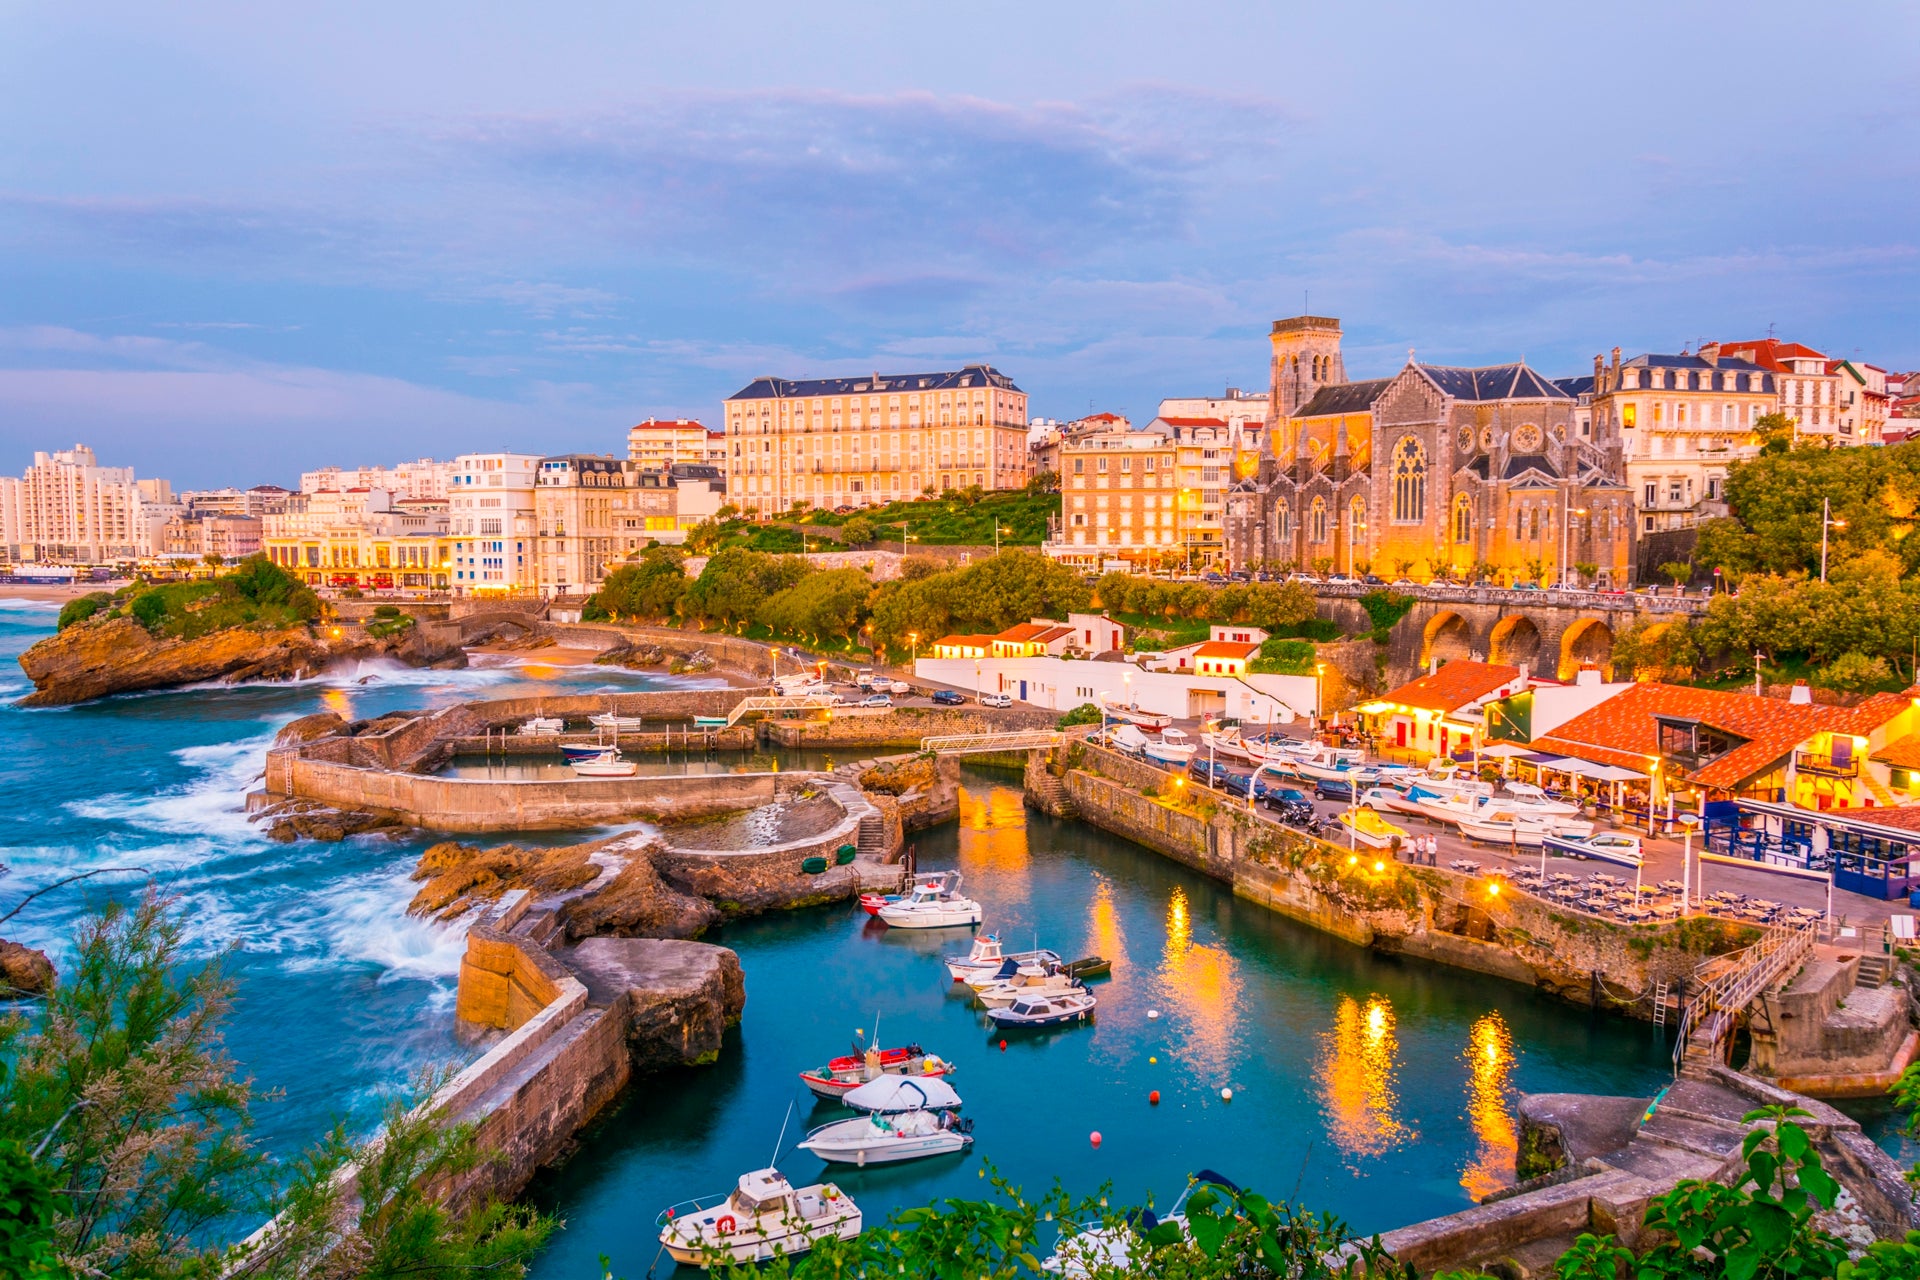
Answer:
(1085, 713)
(213, 561)
(857, 531)
(1588, 571)
(1112, 591)
(735, 582)
(986, 596)
(1676, 572)
(652, 587)
(828, 603)
(1322, 566)
(1854, 673)
(1044, 482)
(80, 608)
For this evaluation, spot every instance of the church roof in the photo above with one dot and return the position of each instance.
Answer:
(1342, 397)
(1576, 387)
(1520, 463)
(1498, 382)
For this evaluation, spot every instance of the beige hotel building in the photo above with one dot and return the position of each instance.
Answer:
(873, 439)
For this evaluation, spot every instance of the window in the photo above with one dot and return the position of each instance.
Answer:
(1673, 491)
(1463, 519)
(1650, 495)
(1628, 414)
(1356, 524)
(1283, 521)
(1318, 528)
(1409, 482)
(1713, 488)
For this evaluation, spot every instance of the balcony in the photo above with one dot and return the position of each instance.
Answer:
(1826, 766)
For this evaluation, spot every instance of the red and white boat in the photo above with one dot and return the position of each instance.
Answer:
(843, 1075)
(871, 903)
(1132, 714)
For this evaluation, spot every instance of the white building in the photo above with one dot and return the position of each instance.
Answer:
(659, 443)
(69, 508)
(1061, 684)
(421, 478)
(490, 507)
(1861, 412)
(1237, 408)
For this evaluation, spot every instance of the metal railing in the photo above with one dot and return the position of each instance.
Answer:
(1709, 1015)
(960, 744)
(805, 702)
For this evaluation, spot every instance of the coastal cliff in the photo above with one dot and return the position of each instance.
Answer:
(120, 655)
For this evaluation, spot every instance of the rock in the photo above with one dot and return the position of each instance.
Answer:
(330, 826)
(24, 970)
(897, 777)
(460, 875)
(93, 660)
(633, 656)
(324, 724)
(681, 996)
(639, 902)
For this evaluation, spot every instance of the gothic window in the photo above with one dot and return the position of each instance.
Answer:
(1409, 482)
(1357, 523)
(1318, 529)
(1520, 522)
(1462, 519)
(1283, 522)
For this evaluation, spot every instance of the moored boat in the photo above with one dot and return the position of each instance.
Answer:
(619, 724)
(763, 1218)
(1047, 1010)
(1094, 1247)
(1089, 967)
(606, 764)
(1172, 747)
(906, 1119)
(933, 904)
(1026, 980)
(541, 726)
(572, 751)
(1370, 829)
(1504, 826)
(985, 959)
(1131, 713)
(843, 1075)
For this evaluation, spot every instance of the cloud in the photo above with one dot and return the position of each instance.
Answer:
(544, 300)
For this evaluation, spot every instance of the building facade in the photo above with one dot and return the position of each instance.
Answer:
(1681, 421)
(580, 508)
(421, 478)
(1435, 471)
(659, 443)
(362, 538)
(865, 441)
(1808, 390)
(1118, 500)
(68, 508)
(1860, 411)
(490, 507)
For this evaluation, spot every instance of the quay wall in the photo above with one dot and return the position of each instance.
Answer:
(903, 726)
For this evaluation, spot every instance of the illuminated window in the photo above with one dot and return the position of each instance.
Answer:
(1318, 526)
(1409, 482)
(1462, 519)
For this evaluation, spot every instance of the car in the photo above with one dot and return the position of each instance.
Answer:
(1378, 799)
(1526, 586)
(1342, 580)
(1333, 789)
(996, 699)
(1373, 580)
(1210, 773)
(877, 700)
(947, 698)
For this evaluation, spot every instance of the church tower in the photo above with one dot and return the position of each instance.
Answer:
(1306, 357)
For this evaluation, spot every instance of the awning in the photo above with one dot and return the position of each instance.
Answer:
(1588, 769)
(1502, 751)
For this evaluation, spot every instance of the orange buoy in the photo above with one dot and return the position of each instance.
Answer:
(1154, 1097)
(1003, 1046)
(1095, 1138)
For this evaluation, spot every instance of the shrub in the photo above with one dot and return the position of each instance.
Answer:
(1085, 713)
(79, 610)
(150, 607)
(386, 611)
(1284, 658)
(1854, 673)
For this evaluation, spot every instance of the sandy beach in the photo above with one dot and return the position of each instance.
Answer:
(50, 591)
(550, 656)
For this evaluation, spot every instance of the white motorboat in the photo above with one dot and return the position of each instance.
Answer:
(1026, 980)
(906, 1119)
(1226, 744)
(1388, 800)
(1131, 713)
(1324, 763)
(1531, 799)
(541, 726)
(1504, 826)
(1129, 738)
(607, 764)
(934, 903)
(1172, 747)
(1096, 1248)
(765, 1217)
(985, 959)
(619, 724)
(1047, 1010)
(843, 1075)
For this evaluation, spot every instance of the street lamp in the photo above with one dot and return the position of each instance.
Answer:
(1826, 522)
(1566, 528)
(1687, 823)
(1319, 690)
(913, 642)
(998, 529)
(976, 680)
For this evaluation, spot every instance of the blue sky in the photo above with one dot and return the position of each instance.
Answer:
(238, 240)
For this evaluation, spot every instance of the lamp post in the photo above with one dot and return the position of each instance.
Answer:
(913, 643)
(1319, 690)
(1687, 822)
(997, 531)
(1826, 522)
(1569, 511)
(976, 680)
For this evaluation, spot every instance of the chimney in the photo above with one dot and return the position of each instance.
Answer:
(1710, 352)
(1588, 676)
(1616, 358)
(1524, 677)
(1801, 696)
(1433, 664)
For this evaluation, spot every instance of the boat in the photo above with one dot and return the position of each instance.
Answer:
(1382, 799)
(935, 903)
(572, 752)
(1531, 799)
(1171, 747)
(1089, 967)
(541, 726)
(1096, 1248)
(764, 1217)
(1226, 744)
(907, 1119)
(1324, 763)
(872, 902)
(1504, 826)
(1370, 829)
(1047, 1010)
(1128, 738)
(606, 764)
(986, 958)
(1130, 713)
(619, 724)
(1026, 980)
(709, 722)
(842, 1076)
(1608, 847)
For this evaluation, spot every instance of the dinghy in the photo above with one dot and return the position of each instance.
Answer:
(619, 724)
(1130, 713)
(765, 1217)
(1026, 980)
(541, 726)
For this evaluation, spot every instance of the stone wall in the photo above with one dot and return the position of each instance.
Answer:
(904, 726)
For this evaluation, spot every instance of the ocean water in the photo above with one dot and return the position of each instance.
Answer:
(1377, 1089)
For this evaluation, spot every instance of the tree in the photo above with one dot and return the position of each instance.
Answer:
(652, 587)
(213, 561)
(1402, 567)
(736, 581)
(1854, 673)
(857, 531)
(1676, 572)
(1112, 591)
(1534, 568)
(828, 603)
(1044, 482)
(1588, 571)
(986, 596)
(1322, 565)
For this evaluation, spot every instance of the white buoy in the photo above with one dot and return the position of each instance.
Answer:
(1226, 1095)
(1153, 1013)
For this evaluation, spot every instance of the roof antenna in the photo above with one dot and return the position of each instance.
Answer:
(1769, 331)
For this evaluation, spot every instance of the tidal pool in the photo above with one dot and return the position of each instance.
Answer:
(1378, 1089)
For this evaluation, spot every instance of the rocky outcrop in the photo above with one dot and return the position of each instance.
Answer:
(293, 819)
(639, 902)
(680, 997)
(631, 899)
(93, 660)
(322, 724)
(24, 971)
(636, 655)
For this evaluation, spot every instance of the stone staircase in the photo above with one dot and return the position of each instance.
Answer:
(872, 840)
(1051, 793)
(1875, 971)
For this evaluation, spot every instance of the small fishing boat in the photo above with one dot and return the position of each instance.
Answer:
(1324, 763)
(1047, 1010)
(619, 724)
(1171, 747)
(872, 902)
(1528, 798)
(709, 722)
(843, 1075)
(1388, 800)
(763, 1218)
(1504, 826)
(1370, 829)
(606, 764)
(1027, 980)
(1226, 744)
(541, 726)
(572, 751)
(1095, 1248)
(1128, 738)
(907, 1119)
(935, 903)
(985, 959)
(1131, 713)
(1089, 967)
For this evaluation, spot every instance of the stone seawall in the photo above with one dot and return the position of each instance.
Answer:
(903, 726)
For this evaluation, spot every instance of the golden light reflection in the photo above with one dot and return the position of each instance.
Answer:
(1357, 1078)
(337, 701)
(1103, 933)
(993, 837)
(1489, 1056)
(1203, 983)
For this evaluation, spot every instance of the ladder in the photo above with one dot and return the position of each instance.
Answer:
(1661, 990)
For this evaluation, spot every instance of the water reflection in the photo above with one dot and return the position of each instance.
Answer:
(1202, 983)
(993, 838)
(1357, 1075)
(1489, 1056)
(337, 701)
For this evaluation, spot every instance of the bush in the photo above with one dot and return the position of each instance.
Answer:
(1085, 713)
(79, 610)
(386, 611)
(1384, 609)
(150, 607)
(1282, 657)
(1855, 673)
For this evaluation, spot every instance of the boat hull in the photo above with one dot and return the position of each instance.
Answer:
(953, 917)
(758, 1242)
(1372, 839)
(623, 769)
(1495, 833)
(856, 1142)
(1168, 755)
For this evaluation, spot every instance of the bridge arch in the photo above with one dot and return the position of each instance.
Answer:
(1445, 637)
(1585, 640)
(1514, 640)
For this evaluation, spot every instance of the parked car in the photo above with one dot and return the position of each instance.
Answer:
(1333, 789)
(1342, 580)
(947, 698)
(1373, 580)
(1379, 799)
(1290, 803)
(996, 699)
(877, 700)
(1214, 774)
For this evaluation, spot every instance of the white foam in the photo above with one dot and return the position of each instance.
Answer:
(362, 919)
(16, 604)
(212, 805)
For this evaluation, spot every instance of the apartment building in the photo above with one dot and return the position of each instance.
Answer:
(363, 538)
(260, 500)
(490, 507)
(581, 505)
(1119, 500)
(1862, 402)
(1809, 392)
(421, 478)
(872, 439)
(659, 443)
(1681, 420)
(69, 508)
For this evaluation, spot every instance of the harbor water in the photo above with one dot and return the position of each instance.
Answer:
(1378, 1089)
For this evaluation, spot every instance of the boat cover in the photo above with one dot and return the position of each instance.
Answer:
(902, 1093)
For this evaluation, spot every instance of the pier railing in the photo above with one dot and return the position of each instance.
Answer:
(1709, 1017)
(960, 744)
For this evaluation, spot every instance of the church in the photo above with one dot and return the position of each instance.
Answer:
(1436, 471)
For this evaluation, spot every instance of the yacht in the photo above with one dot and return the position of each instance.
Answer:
(763, 1218)
(934, 903)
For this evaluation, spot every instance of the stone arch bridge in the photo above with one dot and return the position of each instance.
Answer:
(1553, 633)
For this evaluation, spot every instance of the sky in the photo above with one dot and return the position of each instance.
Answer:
(240, 240)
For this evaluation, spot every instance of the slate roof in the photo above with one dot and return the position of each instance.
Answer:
(1520, 463)
(1454, 685)
(1575, 387)
(1343, 397)
(970, 376)
(1695, 368)
(1497, 382)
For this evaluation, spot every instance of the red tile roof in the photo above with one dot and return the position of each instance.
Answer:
(1902, 752)
(1225, 649)
(1025, 631)
(1195, 422)
(1454, 685)
(1768, 353)
(978, 642)
(1622, 730)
